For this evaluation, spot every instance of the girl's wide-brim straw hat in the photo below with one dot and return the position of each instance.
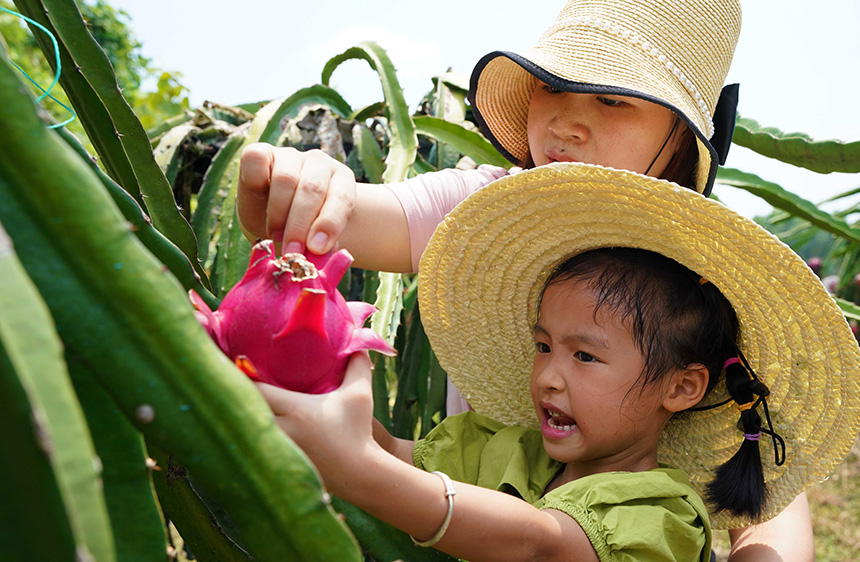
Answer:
(676, 54)
(485, 267)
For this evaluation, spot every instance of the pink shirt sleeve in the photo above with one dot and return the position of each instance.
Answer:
(427, 198)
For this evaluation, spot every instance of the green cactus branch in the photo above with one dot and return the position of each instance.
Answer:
(129, 322)
(404, 142)
(89, 108)
(798, 149)
(222, 172)
(779, 198)
(111, 125)
(139, 531)
(191, 516)
(31, 356)
(463, 140)
(166, 251)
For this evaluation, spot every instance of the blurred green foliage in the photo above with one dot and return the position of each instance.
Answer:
(154, 93)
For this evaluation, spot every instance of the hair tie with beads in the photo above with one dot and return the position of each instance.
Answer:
(758, 388)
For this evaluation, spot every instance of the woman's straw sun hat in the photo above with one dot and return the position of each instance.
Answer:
(675, 54)
(485, 267)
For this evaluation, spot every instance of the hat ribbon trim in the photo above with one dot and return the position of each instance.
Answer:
(643, 45)
(725, 116)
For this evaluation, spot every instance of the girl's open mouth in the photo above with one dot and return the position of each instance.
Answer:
(557, 424)
(557, 420)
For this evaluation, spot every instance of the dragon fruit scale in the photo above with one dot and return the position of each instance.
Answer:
(286, 324)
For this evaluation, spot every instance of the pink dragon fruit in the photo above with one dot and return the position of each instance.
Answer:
(285, 323)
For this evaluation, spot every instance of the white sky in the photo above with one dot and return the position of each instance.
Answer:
(796, 60)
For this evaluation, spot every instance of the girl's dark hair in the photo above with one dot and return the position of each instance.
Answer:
(678, 319)
(673, 321)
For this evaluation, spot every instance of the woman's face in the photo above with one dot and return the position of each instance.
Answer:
(608, 130)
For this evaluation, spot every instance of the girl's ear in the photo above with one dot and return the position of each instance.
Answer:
(686, 387)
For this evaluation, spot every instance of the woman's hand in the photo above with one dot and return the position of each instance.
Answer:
(298, 199)
(333, 429)
(308, 199)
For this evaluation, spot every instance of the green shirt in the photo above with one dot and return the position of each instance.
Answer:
(653, 515)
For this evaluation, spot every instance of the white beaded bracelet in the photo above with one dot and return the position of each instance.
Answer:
(449, 494)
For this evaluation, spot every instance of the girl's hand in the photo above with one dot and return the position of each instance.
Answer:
(333, 429)
(298, 199)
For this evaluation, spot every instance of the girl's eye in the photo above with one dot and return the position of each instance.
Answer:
(584, 357)
(552, 89)
(541, 347)
(609, 101)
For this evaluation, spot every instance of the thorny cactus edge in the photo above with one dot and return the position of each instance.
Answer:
(286, 324)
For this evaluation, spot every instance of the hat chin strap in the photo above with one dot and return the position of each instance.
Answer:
(663, 146)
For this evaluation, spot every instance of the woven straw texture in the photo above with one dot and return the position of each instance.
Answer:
(677, 52)
(482, 273)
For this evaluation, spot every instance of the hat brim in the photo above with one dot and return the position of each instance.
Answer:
(482, 274)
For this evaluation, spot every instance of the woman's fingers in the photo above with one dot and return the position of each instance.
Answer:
(284, 180)
(298, 199)
(255, 169)
(323, 199)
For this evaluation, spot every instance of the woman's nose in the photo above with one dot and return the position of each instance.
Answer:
(570, 123)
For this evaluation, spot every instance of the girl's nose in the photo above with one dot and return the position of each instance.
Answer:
(549, 378)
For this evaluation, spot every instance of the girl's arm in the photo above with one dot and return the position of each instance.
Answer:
(400, 448)
(337, 432)
(486, 525)
(301, 199)
(785, 538)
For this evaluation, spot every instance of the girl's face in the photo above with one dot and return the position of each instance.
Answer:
(615, 131)
(594, 415)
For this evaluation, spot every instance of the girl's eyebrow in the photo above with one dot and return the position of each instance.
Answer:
(588, 338)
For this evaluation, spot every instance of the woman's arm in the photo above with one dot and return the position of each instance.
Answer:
(785, 538)
(308, 199)
(337, 432)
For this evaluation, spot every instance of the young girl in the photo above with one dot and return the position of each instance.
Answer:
(623, 341)
(633, 85)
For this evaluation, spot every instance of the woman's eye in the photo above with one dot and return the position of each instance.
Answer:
(609, 101)
(541, 347)
(584, 357)
(552, 89)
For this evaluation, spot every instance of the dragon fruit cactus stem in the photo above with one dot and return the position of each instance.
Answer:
(286, 324)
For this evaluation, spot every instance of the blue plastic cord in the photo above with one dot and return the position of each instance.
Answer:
(45, 93)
